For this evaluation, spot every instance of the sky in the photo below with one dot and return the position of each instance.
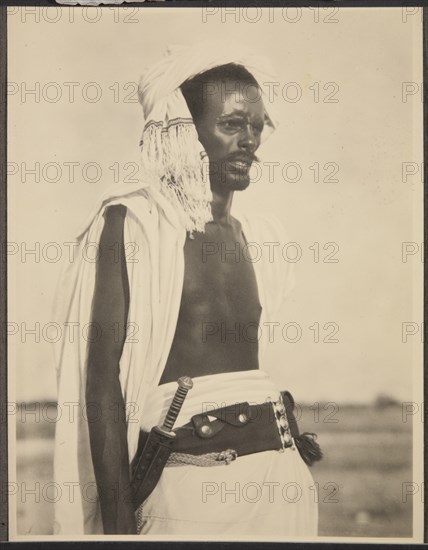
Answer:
(347, 184)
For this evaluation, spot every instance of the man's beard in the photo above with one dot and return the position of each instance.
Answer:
(238, 184)
(230, 178)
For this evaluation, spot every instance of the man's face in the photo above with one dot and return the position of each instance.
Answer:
(230, 129)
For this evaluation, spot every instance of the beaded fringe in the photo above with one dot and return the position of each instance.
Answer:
(172, 156)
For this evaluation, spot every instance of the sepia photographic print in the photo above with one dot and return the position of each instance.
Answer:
(215, 273)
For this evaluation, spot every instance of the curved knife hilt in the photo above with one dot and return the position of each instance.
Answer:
(184, 385)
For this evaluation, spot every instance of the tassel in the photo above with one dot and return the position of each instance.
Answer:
(171, 158)
(309, 449)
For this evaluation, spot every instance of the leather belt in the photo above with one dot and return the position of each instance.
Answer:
(238, 430)
(245, 428)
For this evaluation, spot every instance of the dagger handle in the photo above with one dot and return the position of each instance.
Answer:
(184, 385)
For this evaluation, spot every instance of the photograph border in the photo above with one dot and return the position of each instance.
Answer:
(166, 4)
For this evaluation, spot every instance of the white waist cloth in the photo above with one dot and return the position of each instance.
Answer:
(270, 493)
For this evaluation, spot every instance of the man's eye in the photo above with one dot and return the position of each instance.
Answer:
(231, 124)
(236, 125)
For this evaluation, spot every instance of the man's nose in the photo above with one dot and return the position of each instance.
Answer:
(248, 140)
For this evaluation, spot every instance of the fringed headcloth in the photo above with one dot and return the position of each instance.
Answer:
(172, 156)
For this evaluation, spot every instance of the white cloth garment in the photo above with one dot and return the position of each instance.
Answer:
(155, 273)
(270, 493)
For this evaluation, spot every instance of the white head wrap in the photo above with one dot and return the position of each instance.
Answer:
(172, 156)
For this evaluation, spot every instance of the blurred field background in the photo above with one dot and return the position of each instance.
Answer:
(367, 459)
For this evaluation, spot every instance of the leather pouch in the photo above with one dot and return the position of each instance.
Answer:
(242, 427)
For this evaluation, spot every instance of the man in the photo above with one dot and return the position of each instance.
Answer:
(198, 304)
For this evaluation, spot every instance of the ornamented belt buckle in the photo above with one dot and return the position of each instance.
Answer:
(280, 416)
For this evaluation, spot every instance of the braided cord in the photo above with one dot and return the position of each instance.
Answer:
(207, 459)
(139, 518)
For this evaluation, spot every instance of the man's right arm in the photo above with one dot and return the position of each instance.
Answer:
(105, 405)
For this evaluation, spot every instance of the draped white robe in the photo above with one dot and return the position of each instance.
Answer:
(155, 263)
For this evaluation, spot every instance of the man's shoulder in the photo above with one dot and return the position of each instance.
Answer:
(114, 219)
(115, 212)
(138, 205)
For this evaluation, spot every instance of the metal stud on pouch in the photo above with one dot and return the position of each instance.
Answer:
(283, 422)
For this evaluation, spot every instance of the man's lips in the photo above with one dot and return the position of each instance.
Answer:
(234, 164)
(249, 159)
(242, 162)
(239, 165)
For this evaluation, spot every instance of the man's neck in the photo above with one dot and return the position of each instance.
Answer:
(221, 206)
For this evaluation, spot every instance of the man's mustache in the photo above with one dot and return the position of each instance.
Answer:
(244, 157)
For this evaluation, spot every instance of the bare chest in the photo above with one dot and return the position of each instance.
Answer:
(219, 279)
(217, 325)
